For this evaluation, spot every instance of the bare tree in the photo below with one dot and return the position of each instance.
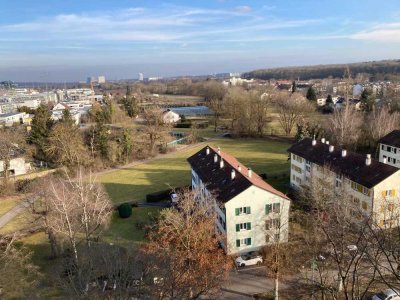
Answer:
(345, 126)
(184, 246)
(292, 108)
(155, 129)
(65, 145)
(74, 209)
(341, 239)
(277, 252)
(380, 122)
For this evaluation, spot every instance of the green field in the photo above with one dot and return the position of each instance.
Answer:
(133, 183)
(126, 231)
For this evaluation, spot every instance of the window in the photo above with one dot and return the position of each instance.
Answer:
(389, 149)
(276, 208)
(243, 242)
(389, 159)
(296, 168)
(243, 226)
(388, 193)
(297, 158)
(383, 147)
(391, 207)
(267, 238)
(272, 224)
(277, 237)
(242, 210)
(394, 150)
(360, 188)
(364, 205)
(268, 208)
(308, 168)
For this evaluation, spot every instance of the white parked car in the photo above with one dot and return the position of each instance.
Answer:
(389, 294)
(247, 260)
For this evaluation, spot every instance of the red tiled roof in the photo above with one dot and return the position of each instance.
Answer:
(219, 180)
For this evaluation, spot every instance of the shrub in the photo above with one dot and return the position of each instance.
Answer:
(125, 210)
(183, 125)
(158, 196)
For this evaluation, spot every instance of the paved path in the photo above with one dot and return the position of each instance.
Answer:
(12, 213)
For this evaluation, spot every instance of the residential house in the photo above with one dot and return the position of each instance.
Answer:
(389, 149)
(373, 186)
(18, 166)
(11, 118)
(250, 212)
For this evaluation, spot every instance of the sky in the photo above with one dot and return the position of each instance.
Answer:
(51, 40)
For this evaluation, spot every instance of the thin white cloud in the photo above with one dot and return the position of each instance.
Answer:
(243, 9)
(172, 24)
(385, 32)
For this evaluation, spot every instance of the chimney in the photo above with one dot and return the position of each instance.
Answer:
(215, 158)
(368, 160)
(219, 150)
(344, 153)
(327, 142)
(221, 163)
(384, 160)
(239, 168)
(249, 172)
(233, 174)
(331, 148)
(323, 140)
(207, 150)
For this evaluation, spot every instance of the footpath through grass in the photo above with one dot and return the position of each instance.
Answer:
(132, 184)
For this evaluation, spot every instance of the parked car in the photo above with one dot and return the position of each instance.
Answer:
(389, 294)
(247, 260)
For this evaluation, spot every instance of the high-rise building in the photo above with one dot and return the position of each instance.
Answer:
(140, 77)
(101, 79)
(90, 80)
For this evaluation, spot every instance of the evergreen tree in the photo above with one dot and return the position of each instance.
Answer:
(311, 95)
(329, 99)
(130, 104)
(126, 145)
(294, 88)
(367, 101)
(67, 118)
(40, 130)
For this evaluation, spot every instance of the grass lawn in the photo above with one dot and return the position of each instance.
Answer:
(7, 204)
(263, 156)
(125, 231)
(22, 221)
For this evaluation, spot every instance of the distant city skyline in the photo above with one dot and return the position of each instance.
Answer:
(45, 40)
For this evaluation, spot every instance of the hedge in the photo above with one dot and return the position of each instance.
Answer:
(158, 196)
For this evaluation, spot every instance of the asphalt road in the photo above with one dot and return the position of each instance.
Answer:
(247, 281)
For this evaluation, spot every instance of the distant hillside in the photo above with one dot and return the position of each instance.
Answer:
(381, 70)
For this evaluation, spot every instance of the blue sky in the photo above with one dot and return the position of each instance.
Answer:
(55, 40)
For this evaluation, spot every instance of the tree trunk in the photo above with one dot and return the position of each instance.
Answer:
(53, 244)
(276, 287)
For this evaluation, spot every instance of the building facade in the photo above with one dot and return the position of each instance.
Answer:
(372, 186)
(249, 212)
(389, 149)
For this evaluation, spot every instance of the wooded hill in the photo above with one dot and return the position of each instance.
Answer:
(380, 70)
